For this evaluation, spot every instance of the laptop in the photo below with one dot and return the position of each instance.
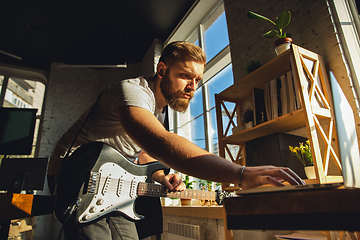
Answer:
(348, 148)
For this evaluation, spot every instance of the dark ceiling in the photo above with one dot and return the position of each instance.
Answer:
(91, 32)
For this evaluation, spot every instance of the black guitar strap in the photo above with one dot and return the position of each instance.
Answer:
(166, 120)
(82, 126)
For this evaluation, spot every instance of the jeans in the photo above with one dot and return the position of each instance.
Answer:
(111, 227)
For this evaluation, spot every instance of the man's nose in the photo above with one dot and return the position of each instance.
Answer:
(192, 84)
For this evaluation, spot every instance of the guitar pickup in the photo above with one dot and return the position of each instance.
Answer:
(119, 186)
(133, 187)
(106, 184)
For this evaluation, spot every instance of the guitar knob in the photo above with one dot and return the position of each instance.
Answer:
(100, 201)
(85, 217)
(92, 209)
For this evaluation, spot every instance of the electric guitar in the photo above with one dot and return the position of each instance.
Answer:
(97, 180)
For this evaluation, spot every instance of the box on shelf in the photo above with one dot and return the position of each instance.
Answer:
(274, 150)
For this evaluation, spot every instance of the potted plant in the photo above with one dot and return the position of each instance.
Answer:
(205, 185)
(248, 118)
(284, 41)
(252, 66)
(189, 185)
(303, 153)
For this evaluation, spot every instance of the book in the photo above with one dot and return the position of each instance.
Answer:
(296, 86)
(284, 95)
(291, 92)
(274, 99)
(259, 109)
(267, 101)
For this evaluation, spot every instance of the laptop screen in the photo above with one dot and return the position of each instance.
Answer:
(347, 137)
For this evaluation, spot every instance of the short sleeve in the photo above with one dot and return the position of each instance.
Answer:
(131, 92)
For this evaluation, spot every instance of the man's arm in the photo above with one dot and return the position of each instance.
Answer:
(182, 155)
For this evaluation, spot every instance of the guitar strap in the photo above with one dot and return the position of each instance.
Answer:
(82, 126)
(166, 120)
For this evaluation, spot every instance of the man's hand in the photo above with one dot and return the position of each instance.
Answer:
(172, 181)
(257, 176)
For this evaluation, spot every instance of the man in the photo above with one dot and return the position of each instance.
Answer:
(129, 117)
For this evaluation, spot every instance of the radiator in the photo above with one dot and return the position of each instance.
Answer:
(180, 231)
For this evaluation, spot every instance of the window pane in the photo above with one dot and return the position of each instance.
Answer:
(198, 132)
(216, 37)
(214, 132)
(196, 104)
(194, 38)
(24, 93)
(191, 123)
(1, 81)
(220, 82)
(194, 131)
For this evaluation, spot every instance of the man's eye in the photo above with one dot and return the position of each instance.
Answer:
(184, 75)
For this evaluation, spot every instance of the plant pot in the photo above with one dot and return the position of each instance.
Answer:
(282, 44)
(238, 129)
(249, 125)
(175, 202)
(185, 202)
(310, 172)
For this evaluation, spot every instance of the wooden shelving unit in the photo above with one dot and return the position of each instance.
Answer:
(316, 112)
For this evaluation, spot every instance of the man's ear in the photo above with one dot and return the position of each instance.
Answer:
(161, 69)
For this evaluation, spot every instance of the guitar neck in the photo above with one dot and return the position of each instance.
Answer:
(156, 190)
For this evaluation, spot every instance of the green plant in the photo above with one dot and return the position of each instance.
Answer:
(252, 66)
(248, 115)
(281, 22)
(205, 184)
(187, 182)
(303, 153)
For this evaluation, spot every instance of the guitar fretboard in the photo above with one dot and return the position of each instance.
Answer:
(156, 190)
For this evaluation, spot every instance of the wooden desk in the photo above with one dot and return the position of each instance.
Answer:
(14, 205)
(328, 209)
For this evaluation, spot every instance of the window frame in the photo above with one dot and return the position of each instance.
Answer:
(30, 74)
(191, 28)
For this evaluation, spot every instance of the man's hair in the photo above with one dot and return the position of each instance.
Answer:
(181, 51)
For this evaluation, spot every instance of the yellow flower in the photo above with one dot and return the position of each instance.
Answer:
(303, 153)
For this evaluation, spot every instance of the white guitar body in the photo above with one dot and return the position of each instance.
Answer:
(97, 180)
(116, 191)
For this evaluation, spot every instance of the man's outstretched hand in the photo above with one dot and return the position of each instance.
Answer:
(261, 175)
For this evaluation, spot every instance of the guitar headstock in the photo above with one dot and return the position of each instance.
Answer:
(220, 195)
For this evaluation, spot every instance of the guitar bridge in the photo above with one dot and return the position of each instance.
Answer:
(93, 183)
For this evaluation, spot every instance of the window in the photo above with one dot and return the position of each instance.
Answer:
(347, 21)
(20, 92)
(198, 123)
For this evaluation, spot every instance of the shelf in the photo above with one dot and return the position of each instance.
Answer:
(194, 211)
(269, 71)
(316, 113)
(282, 124)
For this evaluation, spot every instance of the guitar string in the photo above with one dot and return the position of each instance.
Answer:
(147, 189)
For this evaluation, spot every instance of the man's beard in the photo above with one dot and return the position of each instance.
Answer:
(172, 96)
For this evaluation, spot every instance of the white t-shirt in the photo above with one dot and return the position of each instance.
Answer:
(103, 124)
